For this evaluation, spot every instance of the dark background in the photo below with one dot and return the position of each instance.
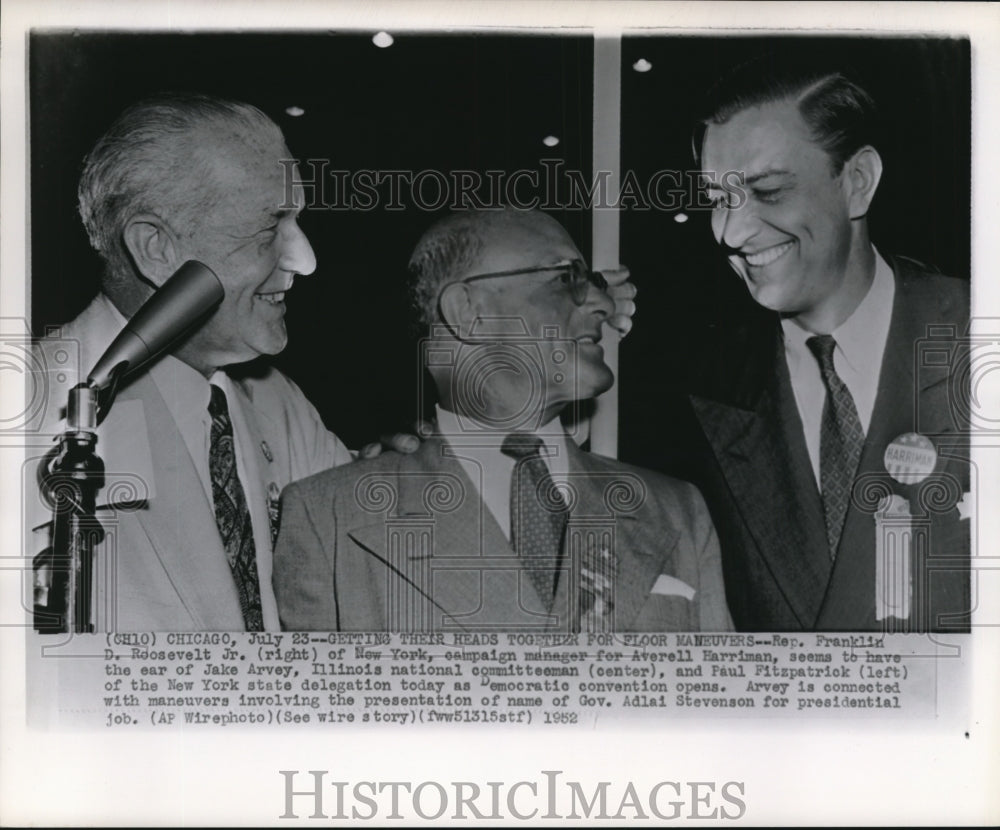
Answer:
(479, 102)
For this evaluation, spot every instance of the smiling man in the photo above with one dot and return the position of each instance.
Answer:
(823, 437)
(196, 448)
(499, 521)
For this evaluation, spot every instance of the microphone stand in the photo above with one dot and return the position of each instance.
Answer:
(71, 480)
(71, 474)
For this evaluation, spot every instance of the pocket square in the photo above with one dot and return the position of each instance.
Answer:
(671, 586)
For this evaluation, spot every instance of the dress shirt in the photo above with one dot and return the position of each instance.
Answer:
(187, 393)
(861, 340)
(477, 449)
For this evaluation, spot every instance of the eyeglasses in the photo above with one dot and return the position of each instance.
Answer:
(575, 274)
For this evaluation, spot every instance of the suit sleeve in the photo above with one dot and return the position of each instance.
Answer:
(713, 612)
(303, 568)
(320, 449)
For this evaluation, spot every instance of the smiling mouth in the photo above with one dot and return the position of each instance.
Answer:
(768, 255)
(591, 339)
(273, 297)
(276, 298)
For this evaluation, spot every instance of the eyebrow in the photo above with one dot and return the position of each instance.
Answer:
(275, 216)
(258, 223)
(766, 174)
(756, 177)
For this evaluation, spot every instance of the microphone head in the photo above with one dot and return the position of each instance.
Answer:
(182, 300)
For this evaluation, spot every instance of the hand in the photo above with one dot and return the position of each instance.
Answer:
(623, 293)
(403, 442)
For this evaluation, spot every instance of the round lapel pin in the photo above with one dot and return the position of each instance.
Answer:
(910, 458)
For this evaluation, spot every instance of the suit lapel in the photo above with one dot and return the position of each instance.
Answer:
(849, 604)
(442, 541)
(642, 553)
(761, 452)
(905, 403)
(178, 512)
(152, 480)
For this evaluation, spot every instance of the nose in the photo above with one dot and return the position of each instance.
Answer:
(297, 254)
(735, 225)
(598, 302)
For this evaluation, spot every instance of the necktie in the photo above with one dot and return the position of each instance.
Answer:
(840, 442)
(538, 513)
(231, 512)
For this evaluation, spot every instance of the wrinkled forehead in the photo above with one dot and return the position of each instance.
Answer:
(250, 174)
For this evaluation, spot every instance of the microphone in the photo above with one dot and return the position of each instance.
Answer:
(71, 472)
(191, 292)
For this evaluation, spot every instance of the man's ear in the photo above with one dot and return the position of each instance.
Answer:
(153, 248)
(862, 171)
(458, 309)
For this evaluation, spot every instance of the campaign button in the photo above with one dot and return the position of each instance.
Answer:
(910, 458)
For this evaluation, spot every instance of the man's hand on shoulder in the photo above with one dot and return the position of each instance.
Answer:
(402, 442)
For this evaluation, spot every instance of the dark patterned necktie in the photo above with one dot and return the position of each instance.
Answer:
(840, 442)
(231, 512)
(538, 513)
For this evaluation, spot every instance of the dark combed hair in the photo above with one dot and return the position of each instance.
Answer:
(841, 115)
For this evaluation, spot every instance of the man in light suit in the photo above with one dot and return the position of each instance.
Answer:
(499, 521)
(829, 451)
(178, 178)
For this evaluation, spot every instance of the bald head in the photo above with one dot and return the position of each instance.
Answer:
(456, 246)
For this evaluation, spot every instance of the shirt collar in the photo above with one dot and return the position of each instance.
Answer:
(114, 310)
(858, 337)
(185, 389)
(463, 430)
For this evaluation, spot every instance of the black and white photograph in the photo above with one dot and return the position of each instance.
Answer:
(607, 387)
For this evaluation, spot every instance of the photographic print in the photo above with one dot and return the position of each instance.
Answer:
(603, 382)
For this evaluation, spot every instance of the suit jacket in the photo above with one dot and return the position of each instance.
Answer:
(162, 566)
(405, 543)
(756, 476)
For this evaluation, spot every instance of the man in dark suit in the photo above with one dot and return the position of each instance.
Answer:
(827, 447)
(499, 521)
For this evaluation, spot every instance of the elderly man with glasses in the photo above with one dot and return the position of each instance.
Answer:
(499, 521)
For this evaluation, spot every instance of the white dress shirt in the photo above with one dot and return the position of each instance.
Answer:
(477, 449)
(857, 359)
(187, 394)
